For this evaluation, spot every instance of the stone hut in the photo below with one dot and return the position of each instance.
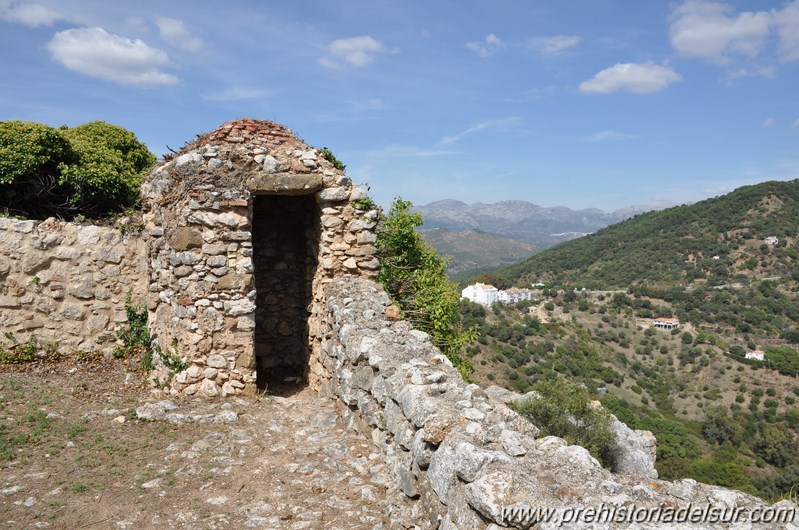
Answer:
(246, 228)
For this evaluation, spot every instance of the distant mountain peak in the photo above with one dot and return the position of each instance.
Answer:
(521, 220)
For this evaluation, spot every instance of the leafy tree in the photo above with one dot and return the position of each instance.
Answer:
(414, 275)
(729, 475)
(777, 445)
(718, 427)
(566, 411)
(783, 484)
(93, 169)
(109, 170)
(784, 360)
(30, 157)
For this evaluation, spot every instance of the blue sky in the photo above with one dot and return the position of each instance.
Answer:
(584, 103)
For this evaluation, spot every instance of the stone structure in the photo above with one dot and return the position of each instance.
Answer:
(246, 227)
(63, 285)
(460, 457)
(257, 263)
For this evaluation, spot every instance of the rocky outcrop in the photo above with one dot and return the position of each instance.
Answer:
(460, 458)
(63, 285)
(634, 451)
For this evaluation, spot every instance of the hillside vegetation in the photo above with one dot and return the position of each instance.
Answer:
(475, 251)
(91, 170)
(715, 241)
(718, 417)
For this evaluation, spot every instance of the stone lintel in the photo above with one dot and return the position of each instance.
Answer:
(285, 183)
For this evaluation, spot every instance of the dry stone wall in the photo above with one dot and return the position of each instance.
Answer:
(460, 456)
(233, 316)
(66, 283)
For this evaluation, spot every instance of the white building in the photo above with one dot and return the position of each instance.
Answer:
(486, 295)
(666, 323)
(512, 296)
(481, 293)
(772, 240)
(756, 355)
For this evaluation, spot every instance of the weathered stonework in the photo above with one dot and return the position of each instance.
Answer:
(246, 226)
(66, 283)
(459, 456)
(256, 263)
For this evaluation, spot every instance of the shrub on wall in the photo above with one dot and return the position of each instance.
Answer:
(109, 169)
(565, 410)
(30, 158)
(414, 275)
(92, 170)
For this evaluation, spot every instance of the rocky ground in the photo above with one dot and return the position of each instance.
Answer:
(89, 447)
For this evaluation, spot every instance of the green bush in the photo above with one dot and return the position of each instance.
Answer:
(30, 158)
(414, 275)
(91, 170)
(135, 335)
(109, 170)
(729, 475)
(328, 155)
(566, 411)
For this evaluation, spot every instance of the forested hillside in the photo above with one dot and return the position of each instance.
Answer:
(718, 418)
(717, 241)
(473, 251)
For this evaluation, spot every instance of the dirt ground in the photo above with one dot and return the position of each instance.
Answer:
(74, 455)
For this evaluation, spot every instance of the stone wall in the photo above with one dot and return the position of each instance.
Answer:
(237, 318)
(459, 455)
(66, 283)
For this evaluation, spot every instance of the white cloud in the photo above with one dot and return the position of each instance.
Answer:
(711, 30)
(795, 124)
(606, 136)
(787, 22)
(31, 15)
(356, 51)
(97, 53)
(175, 33)
(490, 124)
(237, 94)
(769, 122)
(761, 71)
(489, 46)
(557, 43)
(638, 78)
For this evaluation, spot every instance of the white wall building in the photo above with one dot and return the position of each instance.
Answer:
(512, 296)
(757, 355)
(486, 295)
(481, 293)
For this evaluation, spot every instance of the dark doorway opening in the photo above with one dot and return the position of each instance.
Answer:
(285, 234)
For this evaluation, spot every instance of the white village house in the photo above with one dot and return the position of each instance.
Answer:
(512, 296)
(481, 293)
(666, 323)
(486, 295)
(757, 355)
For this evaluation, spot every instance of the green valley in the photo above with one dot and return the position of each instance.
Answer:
(727, 270)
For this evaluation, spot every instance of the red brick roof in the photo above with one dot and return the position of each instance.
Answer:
(263, 132)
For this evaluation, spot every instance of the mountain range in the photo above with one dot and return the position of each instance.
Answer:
(522, 220)
(481, 236)
(748, 233)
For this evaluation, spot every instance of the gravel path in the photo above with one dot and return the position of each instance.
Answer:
(272, 462)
